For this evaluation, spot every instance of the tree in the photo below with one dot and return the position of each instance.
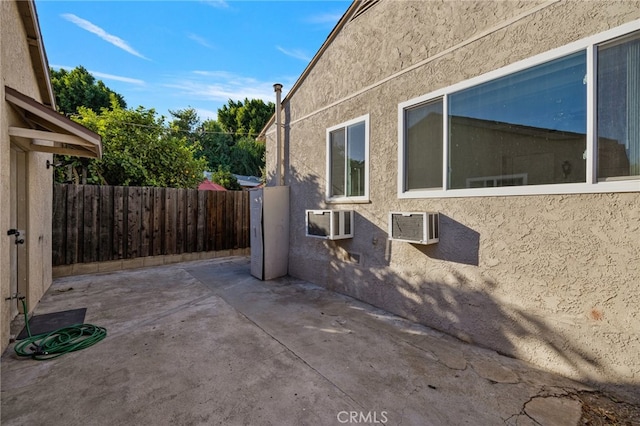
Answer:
(185, 123)
(139, 150)
(216, 144)
(247, 157)
(78, 88)
(224, 177)
(245, 119)
(242, 155)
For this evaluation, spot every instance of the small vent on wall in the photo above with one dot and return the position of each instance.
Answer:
(355, 258)
(364, 6)
(414, 227)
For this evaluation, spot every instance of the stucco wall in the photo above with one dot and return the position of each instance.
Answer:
(549, 279)
(15, 67)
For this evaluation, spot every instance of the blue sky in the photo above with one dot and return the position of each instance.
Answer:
(178, 54)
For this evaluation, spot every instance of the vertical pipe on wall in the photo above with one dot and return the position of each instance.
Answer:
(278, 89)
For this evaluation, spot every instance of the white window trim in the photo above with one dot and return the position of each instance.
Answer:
(591, 184)
(345, 199)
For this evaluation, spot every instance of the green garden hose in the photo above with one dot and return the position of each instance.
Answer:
(59, 342)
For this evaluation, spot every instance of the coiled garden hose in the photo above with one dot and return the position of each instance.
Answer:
(59, 342)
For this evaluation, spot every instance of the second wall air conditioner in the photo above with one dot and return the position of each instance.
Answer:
(414, 227)
(329, 224)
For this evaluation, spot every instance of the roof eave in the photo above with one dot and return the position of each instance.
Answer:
(29, 16)
(346, 17)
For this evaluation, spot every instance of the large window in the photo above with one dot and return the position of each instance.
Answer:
(550, 124)
(347, 160)
(619, 108)
(532, 123)
(423, 153)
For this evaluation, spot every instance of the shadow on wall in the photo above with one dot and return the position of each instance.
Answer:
(443, 289)
(459, 244)
(460, 302)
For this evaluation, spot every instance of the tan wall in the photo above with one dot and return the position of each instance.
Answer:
(15, 66)
(553, 280)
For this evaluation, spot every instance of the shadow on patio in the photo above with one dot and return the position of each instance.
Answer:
(205, 343)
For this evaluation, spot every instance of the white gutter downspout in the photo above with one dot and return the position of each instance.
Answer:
(278, 89)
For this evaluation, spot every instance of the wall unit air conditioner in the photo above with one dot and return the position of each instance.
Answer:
(329, 224)
(414, 227)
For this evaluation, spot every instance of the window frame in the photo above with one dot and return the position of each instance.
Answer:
(591, 183)
(345, 198)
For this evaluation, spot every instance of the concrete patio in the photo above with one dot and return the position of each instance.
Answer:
(204, 343)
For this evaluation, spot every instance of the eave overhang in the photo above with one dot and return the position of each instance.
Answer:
(49, 131)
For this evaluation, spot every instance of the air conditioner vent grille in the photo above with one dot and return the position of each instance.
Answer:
(319, 225)
(414, 227)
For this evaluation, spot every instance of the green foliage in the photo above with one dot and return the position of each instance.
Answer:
(138, 150)
(216, 144)
(141, 149)
(241, 154)
(185, 123)
(245, 119)
(78, 88)
(222, 176)
(247, 157)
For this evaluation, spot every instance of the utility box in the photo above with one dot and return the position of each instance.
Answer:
(269, 220)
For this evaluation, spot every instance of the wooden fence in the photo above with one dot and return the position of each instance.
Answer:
(100, 223)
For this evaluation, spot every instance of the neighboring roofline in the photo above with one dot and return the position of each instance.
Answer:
(29, 15)
(351, 11)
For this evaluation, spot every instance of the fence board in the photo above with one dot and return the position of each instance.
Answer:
(201, 223)
(246, 226)
(170, 221)
(90, 231)
(105, 250)
(192, 221)
(237, 212)
(228, 220)
(146, 225)
(119, 222)
(219, 215)
(181, 204)
(158, 221)
(58, 234)
(101, 223)
(134, 222)
(211, 220)
(72, 225)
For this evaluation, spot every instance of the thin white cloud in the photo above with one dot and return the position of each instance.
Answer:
(118, 78)
(324, 18)
(105, 76)
(200, 40)
(295, 53)
(220, 86)
(206, 114)
(220, 4)
(109, 38)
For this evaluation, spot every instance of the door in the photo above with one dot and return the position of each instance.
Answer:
(275, 232)
(256, 238)
(17, 220)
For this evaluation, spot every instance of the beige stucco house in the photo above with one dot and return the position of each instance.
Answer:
(519, 123)
(30, 132)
